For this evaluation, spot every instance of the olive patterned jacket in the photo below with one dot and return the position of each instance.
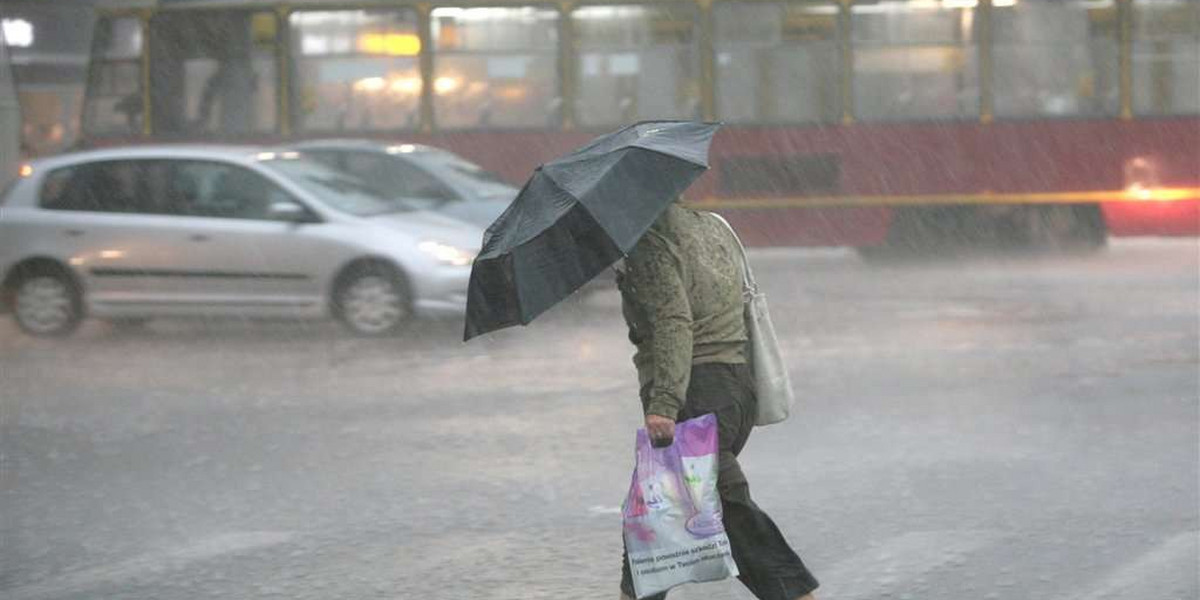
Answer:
(681, 293)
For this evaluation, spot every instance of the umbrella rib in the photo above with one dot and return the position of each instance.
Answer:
(516, 272)
(579, 202)
(518, 243)
(675, 156)
(666, 154)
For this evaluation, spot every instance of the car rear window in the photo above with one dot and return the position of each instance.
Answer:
(82, 188)
(54, 187)
(107, 186)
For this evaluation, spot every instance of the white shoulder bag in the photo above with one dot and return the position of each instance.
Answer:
(771, 382)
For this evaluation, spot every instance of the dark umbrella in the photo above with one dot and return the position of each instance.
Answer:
(579, 214)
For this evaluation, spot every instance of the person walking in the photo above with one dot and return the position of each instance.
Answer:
(681, 296)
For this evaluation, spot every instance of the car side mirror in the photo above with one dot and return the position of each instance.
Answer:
(289, 212)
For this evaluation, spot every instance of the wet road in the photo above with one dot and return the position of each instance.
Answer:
(968, 430)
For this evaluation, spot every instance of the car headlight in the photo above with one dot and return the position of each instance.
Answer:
(447, 254)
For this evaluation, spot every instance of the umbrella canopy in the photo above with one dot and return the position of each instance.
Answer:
(579, 214)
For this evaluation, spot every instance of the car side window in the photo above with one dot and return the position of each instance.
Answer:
(160, 192)
(212, 189)
(332, 160)
(110, 186)
(396, 177)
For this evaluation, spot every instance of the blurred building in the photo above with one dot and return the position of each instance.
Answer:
(48, 45)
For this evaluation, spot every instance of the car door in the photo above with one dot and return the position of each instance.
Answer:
(250, 261)
(131, 250)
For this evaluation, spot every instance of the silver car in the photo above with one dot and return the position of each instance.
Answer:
(433, 178)
(130, 234)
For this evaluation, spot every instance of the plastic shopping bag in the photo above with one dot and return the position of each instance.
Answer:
(672, 515)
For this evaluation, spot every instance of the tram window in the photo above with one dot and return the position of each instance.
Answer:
(914, 60)
(495, 67)
(356, 70)
(1166, 57)
(114, 96)
(637, 62)
(777, 62)
(213, 72)
(1056, 59)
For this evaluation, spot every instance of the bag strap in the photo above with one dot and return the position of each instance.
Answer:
(749, 285)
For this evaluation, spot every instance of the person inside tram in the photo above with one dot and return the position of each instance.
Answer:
(130, 107)
(231, 89)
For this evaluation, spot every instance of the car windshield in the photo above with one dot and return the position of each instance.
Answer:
(335, 189)
(478, 181)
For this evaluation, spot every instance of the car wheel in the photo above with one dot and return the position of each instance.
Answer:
(47, 304)
(372, 300)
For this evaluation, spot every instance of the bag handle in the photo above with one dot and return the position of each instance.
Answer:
(749, 285)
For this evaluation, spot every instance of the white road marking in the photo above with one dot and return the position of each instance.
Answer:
(1171, 571)
(205, 549)
(604, 510)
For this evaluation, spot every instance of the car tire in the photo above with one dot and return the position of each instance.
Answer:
(47, 303)
(372, 300)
